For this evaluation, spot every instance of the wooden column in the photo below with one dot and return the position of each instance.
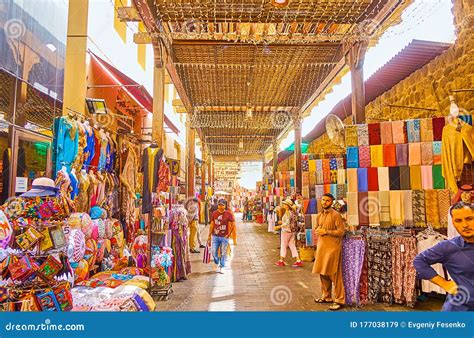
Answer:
(159, 71)
(275, 159)
(203, 173)
(191, 158)
(213, 176)
(75, 69)
(355, 60)
(209, 170)
(298, 157)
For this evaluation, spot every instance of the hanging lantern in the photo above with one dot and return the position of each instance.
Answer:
(249, 113)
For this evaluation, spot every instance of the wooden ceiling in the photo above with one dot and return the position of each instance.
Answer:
(234, 55)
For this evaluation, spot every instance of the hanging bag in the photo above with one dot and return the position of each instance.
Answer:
(206, 258)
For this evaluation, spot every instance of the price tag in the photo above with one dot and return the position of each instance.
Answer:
(402, 248)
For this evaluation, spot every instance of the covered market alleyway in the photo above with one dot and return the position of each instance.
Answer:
(251, 281)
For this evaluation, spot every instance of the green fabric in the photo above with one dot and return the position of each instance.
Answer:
(438, 180)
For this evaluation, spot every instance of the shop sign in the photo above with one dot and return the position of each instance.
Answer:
(21, 184)
(174, 166)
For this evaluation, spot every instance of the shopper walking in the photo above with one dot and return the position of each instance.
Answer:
(222, 228)
(271, 219)
(289, 227)
(246, 209)
(328, 263)
(193, 223)
(457, 257)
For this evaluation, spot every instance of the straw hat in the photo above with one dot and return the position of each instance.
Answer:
(289, 203)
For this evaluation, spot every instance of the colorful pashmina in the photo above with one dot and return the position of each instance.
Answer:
(340, 163)
(389, 155)
(364, 157)
(333, 163)
(432, 208)
(363, 134)
(374, 133)
(351, 136)
(399, 132)
(426, 177)
(426, 130)
(341, 176)
(415, 178)
(353, 157)
(413, 131)
(405, 178)
(396, 208)
(363, 199)
(319, 192)
(414, 154)
(341, 191)
(352, 183)
(437, 152)
(352, 208)
(376, 155)
(407, 200)
(384, 180)
(438, 125)
(419, 208)
(427, 153)
(394, 176)
(438, 179)
(386, 133)
(373, 179)
(374, 208)
(444, 203)
(362, 184)
(402, 154)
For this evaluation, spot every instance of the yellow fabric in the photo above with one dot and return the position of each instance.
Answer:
(415, 178)
(193, 234)
(352, 180)
(312, 165)
(376, 155)
(306, 254)
(119, 26)
(432, 208)
(457, 148)
(148, 299)
(397, 211)
(151, 161)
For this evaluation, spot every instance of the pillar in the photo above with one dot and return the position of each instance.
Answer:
(355, 60)
(275, 159)
(213, 176)
(209, 170)
(75, 69)
(157, 127)
(191, 158)
(298, 157)
(203, 173)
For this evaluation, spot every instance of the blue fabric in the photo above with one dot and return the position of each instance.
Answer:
(66, 150)
(96, 212)
(89, 149)
(456, 256)
(413, 131)
(312, 207)
(334, 190)
(362, 181)
(466, 118)
(333, 163)
(222, 243)
(352, 157)
(309, 237)
(74, 186)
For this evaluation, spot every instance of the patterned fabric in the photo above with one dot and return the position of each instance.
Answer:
(386, 133)
(341, 176)
(413, 131)
(427, 153)
(437, 152)
(340, 163)
(351, 136)
(389, 155)
(376, 156)
(363, 134)
(364, 157)
(438, 125)
(379, 262)
(399, 132)
(312, 178)
(304, 165)
(364, 281)
(319, 172)
(426, 129)
(326, 172)
(405, 178)
(341, 191)
(432, 208)
(444, 203)
(319, 192)
(334, 190)
(419, 208)
(384, 201)
(438, 179)
(403, 272)
(333, 163)
(374, 133)
(402, 154)
(352, 157)
(353, 253)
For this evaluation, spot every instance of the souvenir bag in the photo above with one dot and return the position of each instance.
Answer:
(48, 301)
(29, 303)
(21, 268)
(64, 297)
(57, 234)
(6, 231)
(46, 243)
(50, 268)
(206, 258)
(28, 239)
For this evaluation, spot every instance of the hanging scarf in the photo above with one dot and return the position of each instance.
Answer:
(444, 203)
(351, 136)
(352, 208)
(386, 133)
(437, 152)
(326, 172)
(415, 178)
(426, 177)
(319, 191)
(333, 163)
(413, 131)
(374, 133)
(340, 163)
(312, 178)
(405, 178)
(407, 201)
(384, 180)
(373, 179)
(363, 134)
(438, 125)
(396, 208)
(402, 154)
(341, 191)
(363, 203)
(374, 208)
(376, 156)
(364, 157)
(419, 208)
(333, 176)
(319, 172)
(414, 154)
(334, 189)
(438, 179)
(399, 132)
(427, 153)
(341, 176)
(426, 130)
(389, 155)
(394, 176)
(362, 184)
(352, 183)
(312, 165)
(432, 208)
(384, 202)
(353, 157)
(327, 188)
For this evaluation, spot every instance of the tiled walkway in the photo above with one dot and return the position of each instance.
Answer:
(251, 281)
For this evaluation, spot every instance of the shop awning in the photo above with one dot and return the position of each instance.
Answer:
(414, 56)
(134, 89)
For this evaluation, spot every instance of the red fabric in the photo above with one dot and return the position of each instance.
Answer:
(389, 155)
(327, 188)
(374, 133)
(95, 160)
(221, 223)
(373, 179)
(438, 125)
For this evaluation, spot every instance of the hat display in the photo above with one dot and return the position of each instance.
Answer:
(76, 245)
(41, 186)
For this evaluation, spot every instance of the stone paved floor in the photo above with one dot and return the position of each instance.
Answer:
(251, 281)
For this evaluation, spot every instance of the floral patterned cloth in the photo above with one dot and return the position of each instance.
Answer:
(351, 136)
(403, 272)
(418, 205)
(353, 252)
(413, 131)
(363, 134)
(364, 156)
(426, 130)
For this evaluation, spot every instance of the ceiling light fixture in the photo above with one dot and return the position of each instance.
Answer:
(241, 144)
(249, 113)
(280, 3)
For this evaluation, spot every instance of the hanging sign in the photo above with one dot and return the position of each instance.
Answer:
(174, 166)
(21, 184)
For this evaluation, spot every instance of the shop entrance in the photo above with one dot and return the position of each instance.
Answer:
(31, 158)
